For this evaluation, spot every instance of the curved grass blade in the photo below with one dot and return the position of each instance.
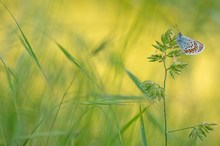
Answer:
(25, 42)
(140, 86)
(70, 57)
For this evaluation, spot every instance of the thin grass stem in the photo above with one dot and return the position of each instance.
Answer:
(164, 102)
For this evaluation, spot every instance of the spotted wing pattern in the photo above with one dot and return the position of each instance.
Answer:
(190, 46)
(193, 47)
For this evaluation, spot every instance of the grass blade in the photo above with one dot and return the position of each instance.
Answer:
(142, 129)
(129, 123)
(136, 81)
(26, 141)
(70, 57)
(139, 85)
(10, 73)
(25, 42)
(106, 99)
(100, 48)
(4, 133)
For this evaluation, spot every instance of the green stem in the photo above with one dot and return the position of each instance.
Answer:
(186, 128)
(182, 129)
(164, 102)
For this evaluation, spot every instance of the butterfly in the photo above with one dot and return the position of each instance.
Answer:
(188, 45)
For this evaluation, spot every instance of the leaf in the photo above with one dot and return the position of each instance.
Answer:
(129, 123)
(164, 39)
(136, 81)
(142, 129)
(173, 42)
(168, 33)
(156, 57)
(158, 47)
(150, 89)
(176, 68)
(101, 47)
(113, 100)
(161, 45)
(25, 42)
(175, 53)
(70, 57)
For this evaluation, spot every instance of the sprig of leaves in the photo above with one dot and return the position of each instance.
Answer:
(200, 131)
(168, 41)
(168, 49)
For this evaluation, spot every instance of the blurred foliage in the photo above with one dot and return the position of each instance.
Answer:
(83, 48)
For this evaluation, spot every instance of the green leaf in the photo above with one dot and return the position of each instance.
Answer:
(164, 39)
(203, 131)
(176, 68)
(130, 123)
(26, 43)
(150, 89)
(105, 99)
(175, 53)
(158, 47)
(100, 47)
(156, 57)
(168, 33)
(142, 129)
(70, 57)
(161, 45)
(173, 42)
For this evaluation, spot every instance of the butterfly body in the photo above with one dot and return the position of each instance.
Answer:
(188, 45)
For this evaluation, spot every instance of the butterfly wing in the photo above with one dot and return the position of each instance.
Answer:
(190, 46)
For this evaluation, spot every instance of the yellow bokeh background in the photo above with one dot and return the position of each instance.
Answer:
(125, 31)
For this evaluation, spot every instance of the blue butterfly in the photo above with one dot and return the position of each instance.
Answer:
(188, 45)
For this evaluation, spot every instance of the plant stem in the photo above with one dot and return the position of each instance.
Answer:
(186, 128)
(164, 101)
